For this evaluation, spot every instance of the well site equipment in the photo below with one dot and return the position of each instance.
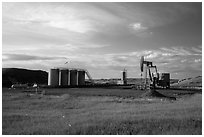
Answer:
(146, 69)
(67, 77)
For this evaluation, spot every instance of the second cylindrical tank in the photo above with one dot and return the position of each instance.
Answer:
(73, 77)
(64, 77)
(81, 77)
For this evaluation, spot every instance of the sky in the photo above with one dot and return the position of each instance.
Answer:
(103, 38)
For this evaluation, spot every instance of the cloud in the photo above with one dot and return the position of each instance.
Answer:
(138, 27)
(74, 17)
(198, 60)
(48, 15)
(180, 51)
(198, 49)
(24, 57)
(83, 46)
(79, 26)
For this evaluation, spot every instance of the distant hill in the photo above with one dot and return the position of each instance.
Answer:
(22, 76)
(189, 82)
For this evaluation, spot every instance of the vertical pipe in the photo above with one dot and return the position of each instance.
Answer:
(60, 73)
(49, 81)
(77, 78)
(124, 77)
(68, 77)
(145, 75)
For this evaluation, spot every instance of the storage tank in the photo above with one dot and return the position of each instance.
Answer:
(73, 78)
(165, 76)
(165, 80)
(64, 81)
(124, 77)
(53, 77)
(81, 77)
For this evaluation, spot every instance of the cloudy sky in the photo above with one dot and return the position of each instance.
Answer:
(103, 38)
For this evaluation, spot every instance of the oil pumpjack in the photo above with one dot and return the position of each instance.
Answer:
(155, 80)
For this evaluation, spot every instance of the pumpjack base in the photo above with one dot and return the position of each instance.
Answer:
(154, 93)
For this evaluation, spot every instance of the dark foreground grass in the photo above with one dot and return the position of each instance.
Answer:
(54, 125)
(83, 113)
(47, 126)
(144, 127)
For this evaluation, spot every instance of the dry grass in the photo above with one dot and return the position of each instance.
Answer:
(103, 113)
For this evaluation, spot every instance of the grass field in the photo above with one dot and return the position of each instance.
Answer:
(100, 111)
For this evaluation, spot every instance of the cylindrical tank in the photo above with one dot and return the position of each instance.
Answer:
(73, 78)
(64, 77)
(166, 76)
(81, 77)
(53, 78)
(166, 79)
(124, 77)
